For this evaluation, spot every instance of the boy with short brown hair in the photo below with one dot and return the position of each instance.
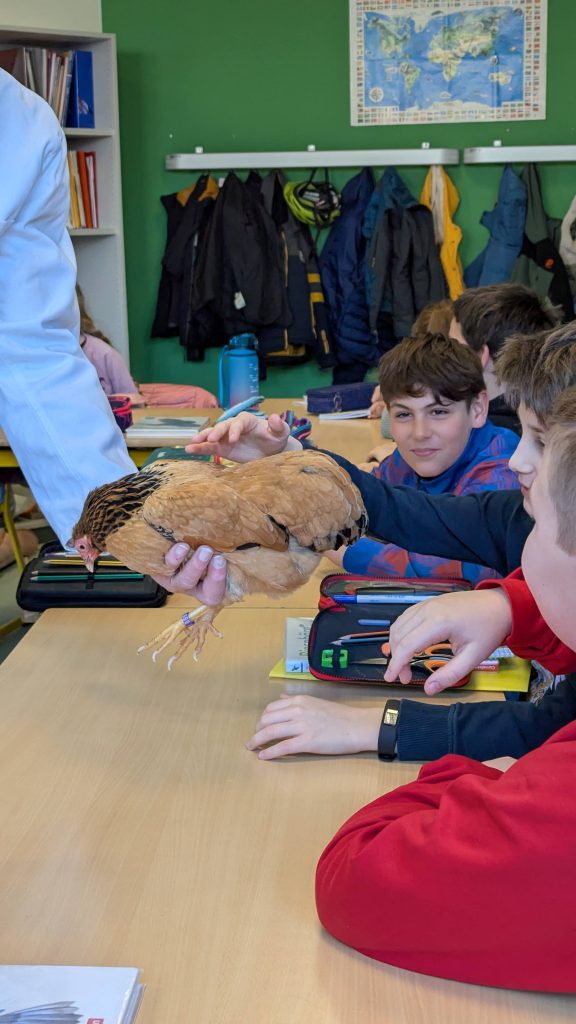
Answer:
(437, 403)
(467, 873)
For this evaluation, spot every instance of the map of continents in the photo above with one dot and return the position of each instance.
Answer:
(438, 60)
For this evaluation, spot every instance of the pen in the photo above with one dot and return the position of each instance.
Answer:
(373, 622)
(240, 407)
(381, 598)
(73, 577)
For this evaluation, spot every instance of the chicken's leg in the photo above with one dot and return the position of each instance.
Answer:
(191, 628)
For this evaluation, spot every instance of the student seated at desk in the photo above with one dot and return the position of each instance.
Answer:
(490, 527)
(115, 376)
(534, 372)
(434, 391)
(434, 319)
(468, 872)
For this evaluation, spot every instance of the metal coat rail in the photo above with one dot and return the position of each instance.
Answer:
(311, 157)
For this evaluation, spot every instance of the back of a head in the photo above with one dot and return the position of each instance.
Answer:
(491, 314)
(535, 370)
(434, 319)
(430, 362)
(87, 325)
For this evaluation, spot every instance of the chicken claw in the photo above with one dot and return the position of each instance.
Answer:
(189, 629)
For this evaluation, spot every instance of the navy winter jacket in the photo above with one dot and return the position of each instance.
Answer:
(506, 226)
(403, 269)
(342, 264)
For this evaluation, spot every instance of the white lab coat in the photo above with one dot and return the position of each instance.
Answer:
(52, 407)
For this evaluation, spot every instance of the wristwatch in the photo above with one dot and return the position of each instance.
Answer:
(388, 730)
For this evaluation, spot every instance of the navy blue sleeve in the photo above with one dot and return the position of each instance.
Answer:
(489, 528)
(484, 730)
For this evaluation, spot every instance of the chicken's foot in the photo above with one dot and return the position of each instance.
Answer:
(191, 628)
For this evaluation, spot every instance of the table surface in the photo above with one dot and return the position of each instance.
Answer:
(352, 438)
(138, 830)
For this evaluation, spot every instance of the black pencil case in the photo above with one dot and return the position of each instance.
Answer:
(333, 657)
(95, 592)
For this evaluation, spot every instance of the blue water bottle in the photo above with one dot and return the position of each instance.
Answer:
(238, 370)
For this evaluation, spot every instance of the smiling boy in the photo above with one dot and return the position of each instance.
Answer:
(467, 873)
(490, 527)
(435, 394)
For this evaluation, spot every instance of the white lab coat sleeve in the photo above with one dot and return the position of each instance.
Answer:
(52, 407)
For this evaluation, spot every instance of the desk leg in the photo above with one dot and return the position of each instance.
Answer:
(9, 627)
(11, 529)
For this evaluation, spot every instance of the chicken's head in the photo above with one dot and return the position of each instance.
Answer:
(87, 551)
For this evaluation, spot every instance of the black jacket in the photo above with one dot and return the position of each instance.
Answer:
(239, 274)
(489, 528)
(185, 227)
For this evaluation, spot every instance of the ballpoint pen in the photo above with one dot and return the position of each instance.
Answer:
(381, 598)
(240, 407)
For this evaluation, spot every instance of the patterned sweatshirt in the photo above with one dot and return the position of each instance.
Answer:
(482, 466)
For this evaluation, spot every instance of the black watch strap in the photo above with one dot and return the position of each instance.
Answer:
(388, 731)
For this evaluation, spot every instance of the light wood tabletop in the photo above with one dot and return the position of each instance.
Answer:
(138, 830)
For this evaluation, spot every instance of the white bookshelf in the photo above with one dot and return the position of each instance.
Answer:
(99, 251)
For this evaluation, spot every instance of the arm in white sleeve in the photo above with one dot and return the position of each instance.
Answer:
(52, 407)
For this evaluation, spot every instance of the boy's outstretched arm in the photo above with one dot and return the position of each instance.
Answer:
(489, 529)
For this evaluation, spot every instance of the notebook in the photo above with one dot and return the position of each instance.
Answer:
(166, 428)
(69, 995)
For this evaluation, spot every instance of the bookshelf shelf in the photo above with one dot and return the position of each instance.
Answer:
(99, 251)
(87, 133)
(98, 232)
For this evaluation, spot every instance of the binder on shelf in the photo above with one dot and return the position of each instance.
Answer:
(85, 187)
(81, 104)
(13, 61)
(83, 194)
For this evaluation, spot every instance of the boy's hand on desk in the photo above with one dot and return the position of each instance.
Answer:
(309, 725)
(202, 576)
(474, 625)
(244, 437)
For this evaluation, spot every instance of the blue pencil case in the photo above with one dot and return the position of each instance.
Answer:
(340, 398)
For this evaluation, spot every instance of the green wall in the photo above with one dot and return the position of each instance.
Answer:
(266, 75)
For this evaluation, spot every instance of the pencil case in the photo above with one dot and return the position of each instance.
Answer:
(44, 584)
(351, 628)
(339, 399)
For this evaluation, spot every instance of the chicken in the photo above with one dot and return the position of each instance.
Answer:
(271, 518)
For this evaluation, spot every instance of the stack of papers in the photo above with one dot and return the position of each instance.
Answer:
(69, 995)
(165, 428)
(349, 414)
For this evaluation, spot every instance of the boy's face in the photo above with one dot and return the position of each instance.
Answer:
(549, 571)
(526, 459)
(431, 435)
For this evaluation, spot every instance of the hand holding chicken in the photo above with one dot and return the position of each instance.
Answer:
(271, 518)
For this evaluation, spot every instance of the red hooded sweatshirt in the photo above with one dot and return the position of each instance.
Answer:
(468, 873)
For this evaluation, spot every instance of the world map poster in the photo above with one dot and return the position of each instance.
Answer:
(425, 62)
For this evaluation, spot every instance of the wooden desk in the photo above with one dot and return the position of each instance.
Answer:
(136, 829)
(351, 438)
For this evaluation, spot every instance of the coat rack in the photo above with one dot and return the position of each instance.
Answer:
(499, 154)
(311, 157)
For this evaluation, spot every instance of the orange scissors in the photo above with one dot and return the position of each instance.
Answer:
(426, 661)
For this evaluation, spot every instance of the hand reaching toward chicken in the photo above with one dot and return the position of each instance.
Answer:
(271, 518)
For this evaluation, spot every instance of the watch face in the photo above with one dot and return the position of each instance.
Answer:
(391, 716)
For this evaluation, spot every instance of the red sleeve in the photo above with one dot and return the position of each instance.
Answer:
(466, 873)
(531, 636)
